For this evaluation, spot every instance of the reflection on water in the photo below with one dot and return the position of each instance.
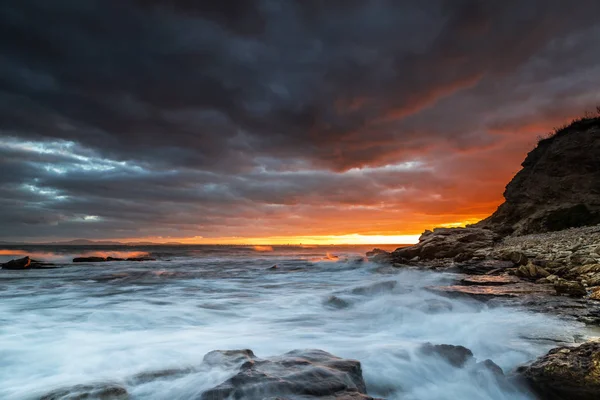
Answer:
(112, 321)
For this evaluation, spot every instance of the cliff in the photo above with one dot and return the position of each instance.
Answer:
(558, 187)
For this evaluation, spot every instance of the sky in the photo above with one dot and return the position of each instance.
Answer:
(278, 121)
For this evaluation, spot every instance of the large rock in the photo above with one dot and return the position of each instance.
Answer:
(448, 243)
(309, 374)
(26, 263)
(566, 373)
(558, 187)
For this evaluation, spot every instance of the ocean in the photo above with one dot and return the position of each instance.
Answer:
(105, 322)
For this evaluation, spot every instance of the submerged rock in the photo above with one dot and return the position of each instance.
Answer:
(571, 373)
(101, 391)
(107, 259)
(89, 259)
(309, 374)
(457, 356)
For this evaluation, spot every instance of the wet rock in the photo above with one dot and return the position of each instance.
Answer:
(484, 292)
(228, 358)
(375, 288)
(433, 306)
(457, 356)
(309, 374)
(274, 267)
(570, 288)
(102, 391)
(26, 263)
(380, 256)
(595, 294)
(21, 263)
(531, 272)
(145, 258)
(114, 259)
(151, 376)
(566, 373)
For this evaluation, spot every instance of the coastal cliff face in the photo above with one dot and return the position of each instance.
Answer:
(558, 187)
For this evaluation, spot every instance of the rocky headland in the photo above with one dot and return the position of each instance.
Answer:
(540, 249)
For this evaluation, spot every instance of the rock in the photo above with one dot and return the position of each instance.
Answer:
(595, 294)
(89, 259)
(228, 358)
(566, 373)
(448, 243)
(557, 187)
(26, 263)
(145, 258)
(379, 287)
(379, 256)
(531, 272)
(457, 356)
(571, 288)
(462, 257)
(486, 292)
(336, 302)
(486, 267)
(516, 257)
(489, 280)
(375, 252)
(21, 263)
(309, 374)
(106, 259)
(274, 267)
(103, 391)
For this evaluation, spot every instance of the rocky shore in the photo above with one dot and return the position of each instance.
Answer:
(540, 249)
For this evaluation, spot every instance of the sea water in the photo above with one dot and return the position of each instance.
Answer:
(106, 322)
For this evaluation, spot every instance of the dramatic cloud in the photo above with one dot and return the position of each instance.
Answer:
(148, 118)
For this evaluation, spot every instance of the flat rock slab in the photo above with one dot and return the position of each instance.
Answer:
(489, 280)
(488, 292)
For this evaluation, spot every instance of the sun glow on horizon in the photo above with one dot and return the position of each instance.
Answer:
(263, 243)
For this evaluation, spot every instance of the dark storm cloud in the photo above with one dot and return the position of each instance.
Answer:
(188, 116)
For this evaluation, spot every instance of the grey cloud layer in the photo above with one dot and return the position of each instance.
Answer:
(198, 117)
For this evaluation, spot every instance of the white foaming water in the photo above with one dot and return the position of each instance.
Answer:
(111, 321)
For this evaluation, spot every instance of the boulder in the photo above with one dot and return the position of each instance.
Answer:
(448, 243)
(570, 288)
(306, 374)
(516, 257)
(566, 373)
(457, 356)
